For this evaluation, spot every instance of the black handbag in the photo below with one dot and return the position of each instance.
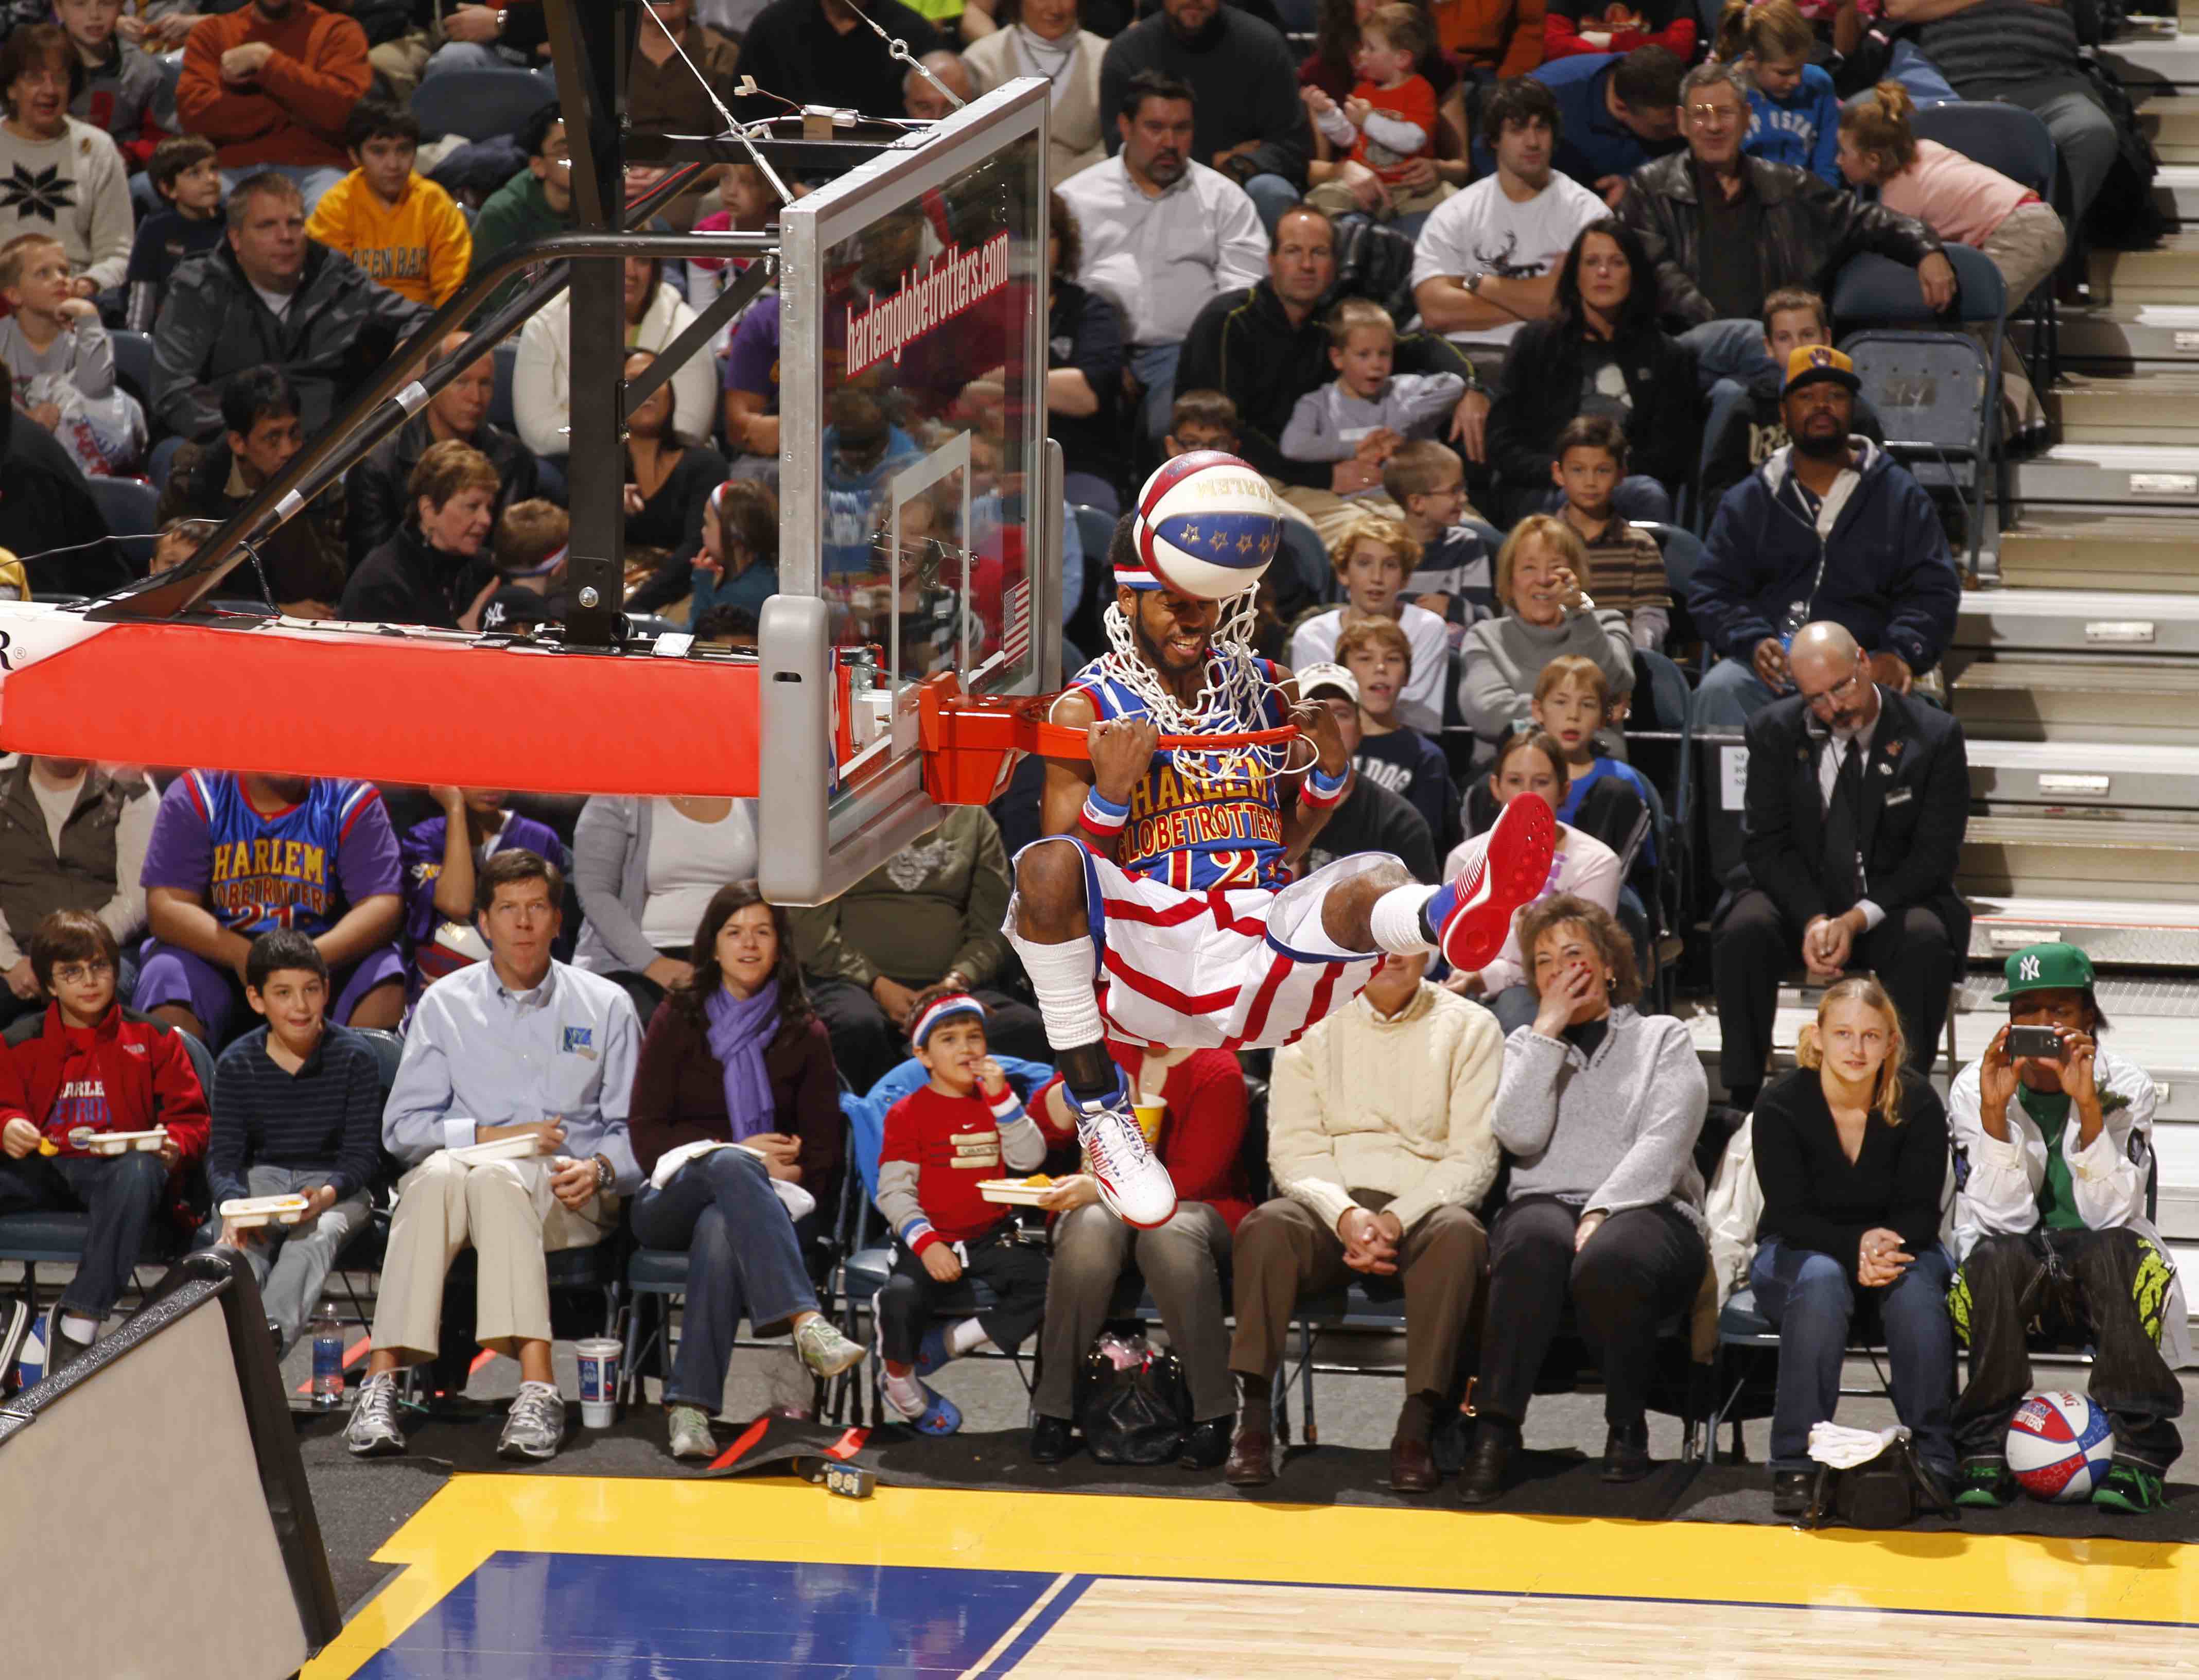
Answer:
(1886, 1491)
(1133, 1413)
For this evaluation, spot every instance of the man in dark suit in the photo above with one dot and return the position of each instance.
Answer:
(1857, 798)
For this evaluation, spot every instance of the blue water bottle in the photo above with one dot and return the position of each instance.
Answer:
(328, 1359)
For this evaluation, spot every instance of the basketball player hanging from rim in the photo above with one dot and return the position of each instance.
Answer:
(1159, 906)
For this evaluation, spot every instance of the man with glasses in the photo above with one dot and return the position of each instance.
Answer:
(1726, 230)
(534, 204)
(88, 1065)
(1858, 795)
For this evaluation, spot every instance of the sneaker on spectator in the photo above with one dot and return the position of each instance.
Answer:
(2129, 1487)
(374, 1430)
(1986, 1484)
(823, 1349)
(535, 1428)
(690, 1433)
(939, 1414)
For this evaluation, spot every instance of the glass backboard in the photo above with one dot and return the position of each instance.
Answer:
(919, 523)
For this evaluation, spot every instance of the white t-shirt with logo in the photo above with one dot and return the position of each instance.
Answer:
(1481, 231)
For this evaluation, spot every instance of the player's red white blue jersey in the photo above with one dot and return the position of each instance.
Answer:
(1200, 820)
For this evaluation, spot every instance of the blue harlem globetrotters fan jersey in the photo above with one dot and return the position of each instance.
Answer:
(300, 868)
(1200, 820)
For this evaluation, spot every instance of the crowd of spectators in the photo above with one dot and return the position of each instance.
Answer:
(1505, 302)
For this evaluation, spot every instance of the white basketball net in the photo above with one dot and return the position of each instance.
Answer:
(1232, 700)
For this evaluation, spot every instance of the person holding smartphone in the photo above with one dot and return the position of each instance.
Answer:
(2053, 1139)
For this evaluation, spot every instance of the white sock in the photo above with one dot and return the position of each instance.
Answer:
(966, 1337)
(906, 1393)
(80, 1329)
(1395, 920)
(1061, 977)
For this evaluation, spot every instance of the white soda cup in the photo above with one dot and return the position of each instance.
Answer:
(599, 1358)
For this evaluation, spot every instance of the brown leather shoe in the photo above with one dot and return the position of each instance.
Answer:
(1251, 1459)
(1412, 1467)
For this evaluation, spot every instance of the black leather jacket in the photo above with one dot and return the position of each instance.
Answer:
(1810, 230)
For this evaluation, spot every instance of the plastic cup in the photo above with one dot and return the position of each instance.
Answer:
(599, 1358)
(1149, 1120)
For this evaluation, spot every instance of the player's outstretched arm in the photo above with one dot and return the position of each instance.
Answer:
(1310, 814)
(1090, 798)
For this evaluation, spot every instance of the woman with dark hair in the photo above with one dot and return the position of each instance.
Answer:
(668, 481)
(1085, 356)
(435, 570)
(733, 1097)
(1601, 352)
(1597, 1113)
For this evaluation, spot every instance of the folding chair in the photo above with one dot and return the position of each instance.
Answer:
(2015, 142)
(133, 364)
(1937, 392)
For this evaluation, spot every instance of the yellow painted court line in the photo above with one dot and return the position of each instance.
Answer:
(780, 1520)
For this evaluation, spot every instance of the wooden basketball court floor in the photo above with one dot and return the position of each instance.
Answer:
(570, 1577)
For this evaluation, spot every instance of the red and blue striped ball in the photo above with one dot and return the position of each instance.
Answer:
(1207, 526)
(2059, 1446)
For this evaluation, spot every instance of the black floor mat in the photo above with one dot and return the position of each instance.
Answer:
(1741, 1493)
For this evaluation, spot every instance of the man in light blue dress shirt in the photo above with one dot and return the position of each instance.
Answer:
(520, 1046)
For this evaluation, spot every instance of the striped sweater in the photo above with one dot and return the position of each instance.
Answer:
(1993, 44)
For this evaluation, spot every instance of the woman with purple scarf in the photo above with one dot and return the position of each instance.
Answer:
(736, 1119)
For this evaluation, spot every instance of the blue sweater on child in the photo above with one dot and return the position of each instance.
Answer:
(1802, 129)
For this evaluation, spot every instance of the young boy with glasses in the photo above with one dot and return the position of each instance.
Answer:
(88, 1066)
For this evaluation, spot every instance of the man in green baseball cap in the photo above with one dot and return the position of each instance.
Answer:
(2053, 1145)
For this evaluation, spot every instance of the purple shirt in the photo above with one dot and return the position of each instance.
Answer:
(752, 358)
(302, 867)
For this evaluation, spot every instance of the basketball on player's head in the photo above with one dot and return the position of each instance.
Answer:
(1206, 525)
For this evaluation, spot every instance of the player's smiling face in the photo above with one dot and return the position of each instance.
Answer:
(1174, 631)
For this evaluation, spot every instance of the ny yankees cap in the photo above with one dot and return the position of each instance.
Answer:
(2052, 966)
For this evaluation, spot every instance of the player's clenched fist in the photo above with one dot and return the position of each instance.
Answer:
(1121, 751)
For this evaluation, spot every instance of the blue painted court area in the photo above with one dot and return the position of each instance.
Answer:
(559, 1616)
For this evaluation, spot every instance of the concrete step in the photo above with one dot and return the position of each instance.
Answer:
(2110, 474)
(2143, 861)
(2171, 123)
(2038, 698)
(2156, 406)
(2064, 776)
(2148, 550)
(2154, 64)
(2119, 333)
(2176, 190)
(2075, 621)
(2115, 934)
(2169, 274)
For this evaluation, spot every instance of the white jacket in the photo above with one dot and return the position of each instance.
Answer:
(1398, 1103)
(1999, 1182)
(542, 379)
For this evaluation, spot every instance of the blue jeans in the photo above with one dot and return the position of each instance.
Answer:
(312, 179)
(744, 1261)
(1271, 195)
(474, 56)
(1729, 694)
(122, 1194)
(1732, 349)
(1154, 366)
(1809, 1298)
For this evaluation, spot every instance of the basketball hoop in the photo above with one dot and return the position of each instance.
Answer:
(970, 743)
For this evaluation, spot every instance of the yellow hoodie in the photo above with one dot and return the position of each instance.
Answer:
(419, 248)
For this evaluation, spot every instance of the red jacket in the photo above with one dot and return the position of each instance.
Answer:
(1561, 34)
(141, 1064)
(295, 112)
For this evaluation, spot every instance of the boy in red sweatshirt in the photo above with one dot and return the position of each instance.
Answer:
(91, 1066)
(942, 1140)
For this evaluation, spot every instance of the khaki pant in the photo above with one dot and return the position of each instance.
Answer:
(1330, 515)
(2025, 247)
(1283, 1251)
(506, 1211)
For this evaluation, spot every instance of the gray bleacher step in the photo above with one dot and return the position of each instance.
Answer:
(2171, 123)
(2176, 190)
(2150, 549)
(2043, 698)
(2115, 933)
(2145, 862)
(2167, 274)
(2077, 621)
(2117, 475)
(2153, 64)
(2114, 333)
(2085, 775)
(2154, 405)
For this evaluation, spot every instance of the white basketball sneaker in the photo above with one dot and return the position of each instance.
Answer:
(1132, 1183)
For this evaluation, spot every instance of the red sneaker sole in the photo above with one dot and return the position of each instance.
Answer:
(1107, 1197)
(1515, 869)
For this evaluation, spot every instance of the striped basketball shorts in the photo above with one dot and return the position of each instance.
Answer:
(1244, 968)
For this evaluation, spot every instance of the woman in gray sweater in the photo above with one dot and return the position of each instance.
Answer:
(1597, 1112)
(1538, 573)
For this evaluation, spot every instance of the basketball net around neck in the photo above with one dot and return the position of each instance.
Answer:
(1232, 698)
